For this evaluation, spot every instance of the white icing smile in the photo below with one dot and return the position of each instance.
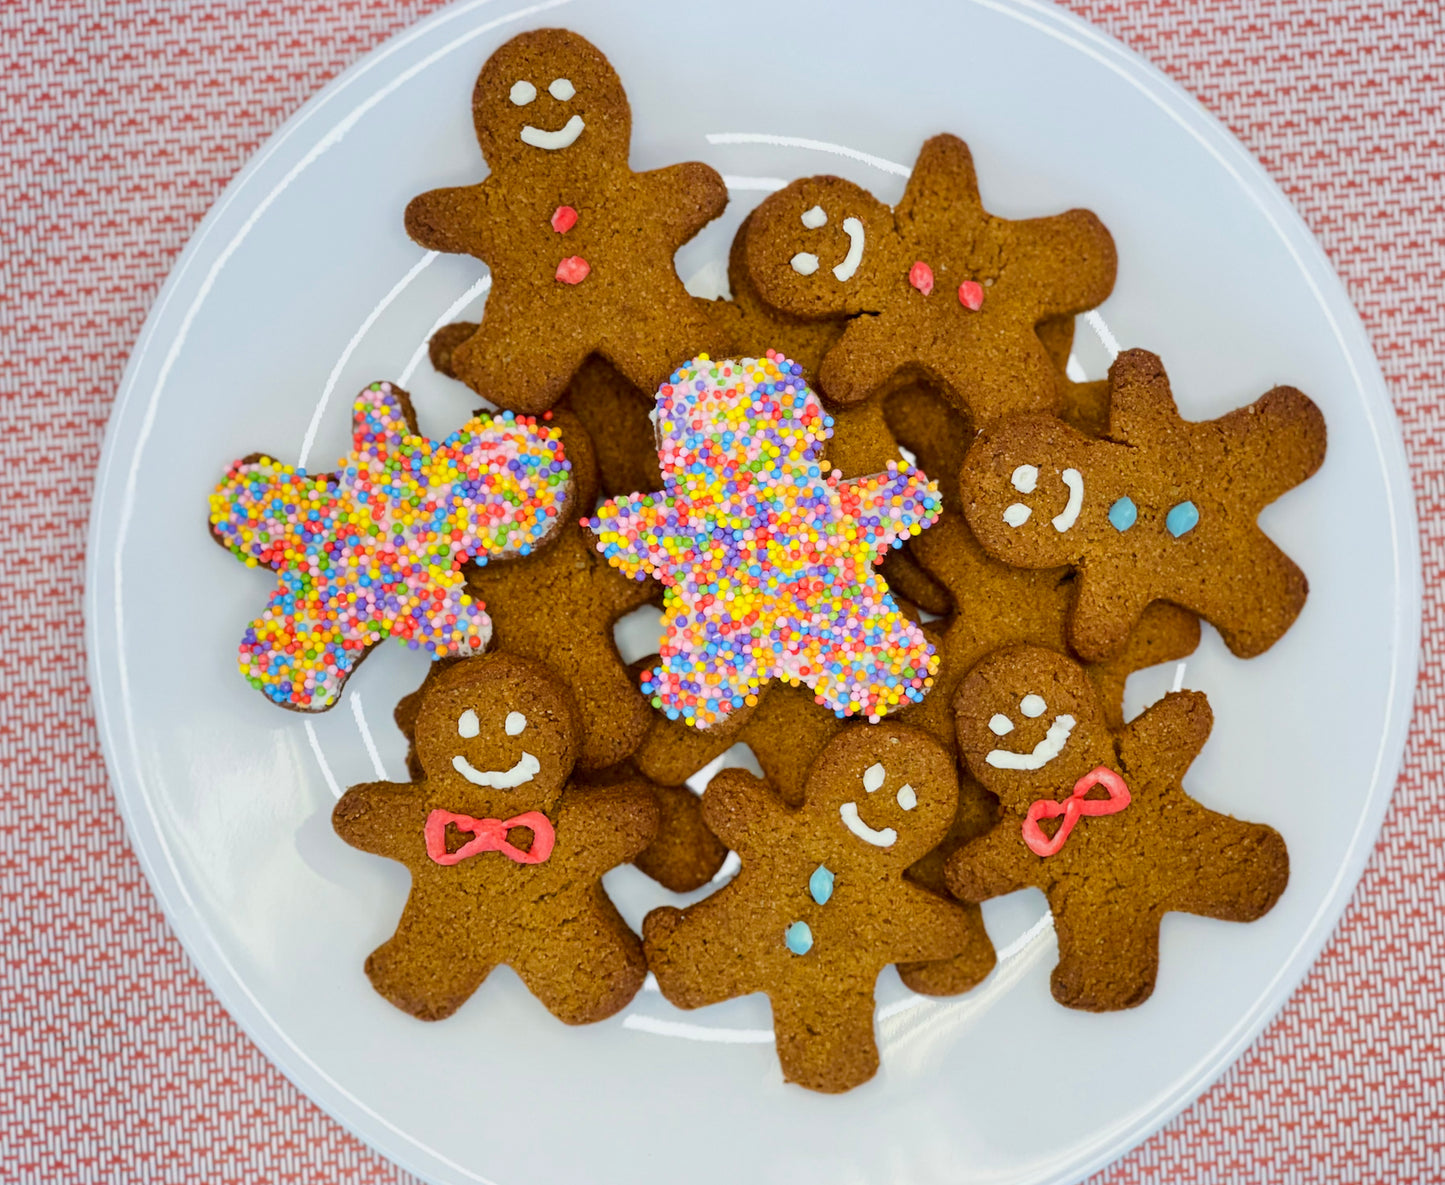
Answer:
(854, 230)
(879, 839)
(499, 779)
(1067, 517)
(563, 137)
(1044, 752)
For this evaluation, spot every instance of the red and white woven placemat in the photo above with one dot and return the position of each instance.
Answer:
(121, 125)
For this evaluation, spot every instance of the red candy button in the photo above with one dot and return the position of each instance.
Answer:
(573, 270)
(970, 295)
(920, 275)
(564, 218)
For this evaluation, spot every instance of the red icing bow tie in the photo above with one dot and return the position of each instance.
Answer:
(489, 835)
(1075, 807)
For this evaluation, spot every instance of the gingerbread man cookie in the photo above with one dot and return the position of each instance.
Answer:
(820, 905)
(767, 561)
(579, 246)
(1100, 822)
(937, 287)
(375, 549)
(1163, 509)
(506, 857)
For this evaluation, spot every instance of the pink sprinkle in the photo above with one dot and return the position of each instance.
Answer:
(920, 275)
(970, 295)
(574, 269)
(564, 218)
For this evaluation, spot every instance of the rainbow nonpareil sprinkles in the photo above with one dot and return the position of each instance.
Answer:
(766, 558)
(375, 549)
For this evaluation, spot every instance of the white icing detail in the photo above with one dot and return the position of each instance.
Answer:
(815, 218)
(879, 839)
(561, 89)
(1017, 514)
(1033, 706)
(563, 137)
(873, 777)
(515, 723)
(1070, 514)
(805, 263)
(468, 726)
(854, 230)
(1026, 478)
(907, 798)
(1000, 725)
(499, 779)
(523, 93)
(1044, 752)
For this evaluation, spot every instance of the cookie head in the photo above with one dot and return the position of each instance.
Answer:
(884, 793)
(735, 416)
(497, 735)
(816, 247)
(1026, 490)
(550, 99)
(1029, 720)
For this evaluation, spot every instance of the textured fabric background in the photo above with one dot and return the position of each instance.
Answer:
(121, 124)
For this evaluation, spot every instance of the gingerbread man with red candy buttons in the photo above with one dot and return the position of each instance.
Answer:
(580, 247)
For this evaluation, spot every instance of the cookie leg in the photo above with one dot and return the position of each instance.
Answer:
(1107, 607)
(646, 352)
(825, 1038)
(429, 967)
(518, 370)
(685, 855)
(1108, 954)
(864, 358)
(586, 966)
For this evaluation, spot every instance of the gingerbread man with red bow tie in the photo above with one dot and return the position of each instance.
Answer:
(1100, 822)
(506, 856)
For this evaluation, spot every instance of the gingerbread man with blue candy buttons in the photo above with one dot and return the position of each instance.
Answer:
(1161, 509)
(820, 905)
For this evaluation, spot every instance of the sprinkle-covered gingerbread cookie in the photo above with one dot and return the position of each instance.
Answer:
(1101, 823)
(767, 560)
(506, 856)
(820, 905)
(579, 246)
(937, 286)
(1163, 509)
(375, 549)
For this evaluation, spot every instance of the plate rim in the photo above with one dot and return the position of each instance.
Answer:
(1169, 97)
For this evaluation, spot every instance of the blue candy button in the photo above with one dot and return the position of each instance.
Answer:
(1123, 514)
(1182, 519)
(820, 884)
(799, 938)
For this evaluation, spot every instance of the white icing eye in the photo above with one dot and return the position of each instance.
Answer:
(523, 93)
(907, 799)
(561, 89)
(468, 726)
(804, 263)
(873, 777)
(1017, 514)
(515, 723)
(1000, 725)
(1026, 478)
(815, 218)
(1032, 706)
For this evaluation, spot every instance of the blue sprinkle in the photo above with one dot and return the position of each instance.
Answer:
(1182, 519)
(799, 938)
(1123, 514)
(820, 884)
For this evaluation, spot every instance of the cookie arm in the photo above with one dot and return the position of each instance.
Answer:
(455, 221)
(1273, 444)
(743, 812)
(902, 499)
(993, 865)
(604, 826)
(1170, 732)
(686, 198)
(384, 818)
(633, 533)
(249, 515)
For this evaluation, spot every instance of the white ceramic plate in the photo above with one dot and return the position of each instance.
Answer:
(301, 286)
